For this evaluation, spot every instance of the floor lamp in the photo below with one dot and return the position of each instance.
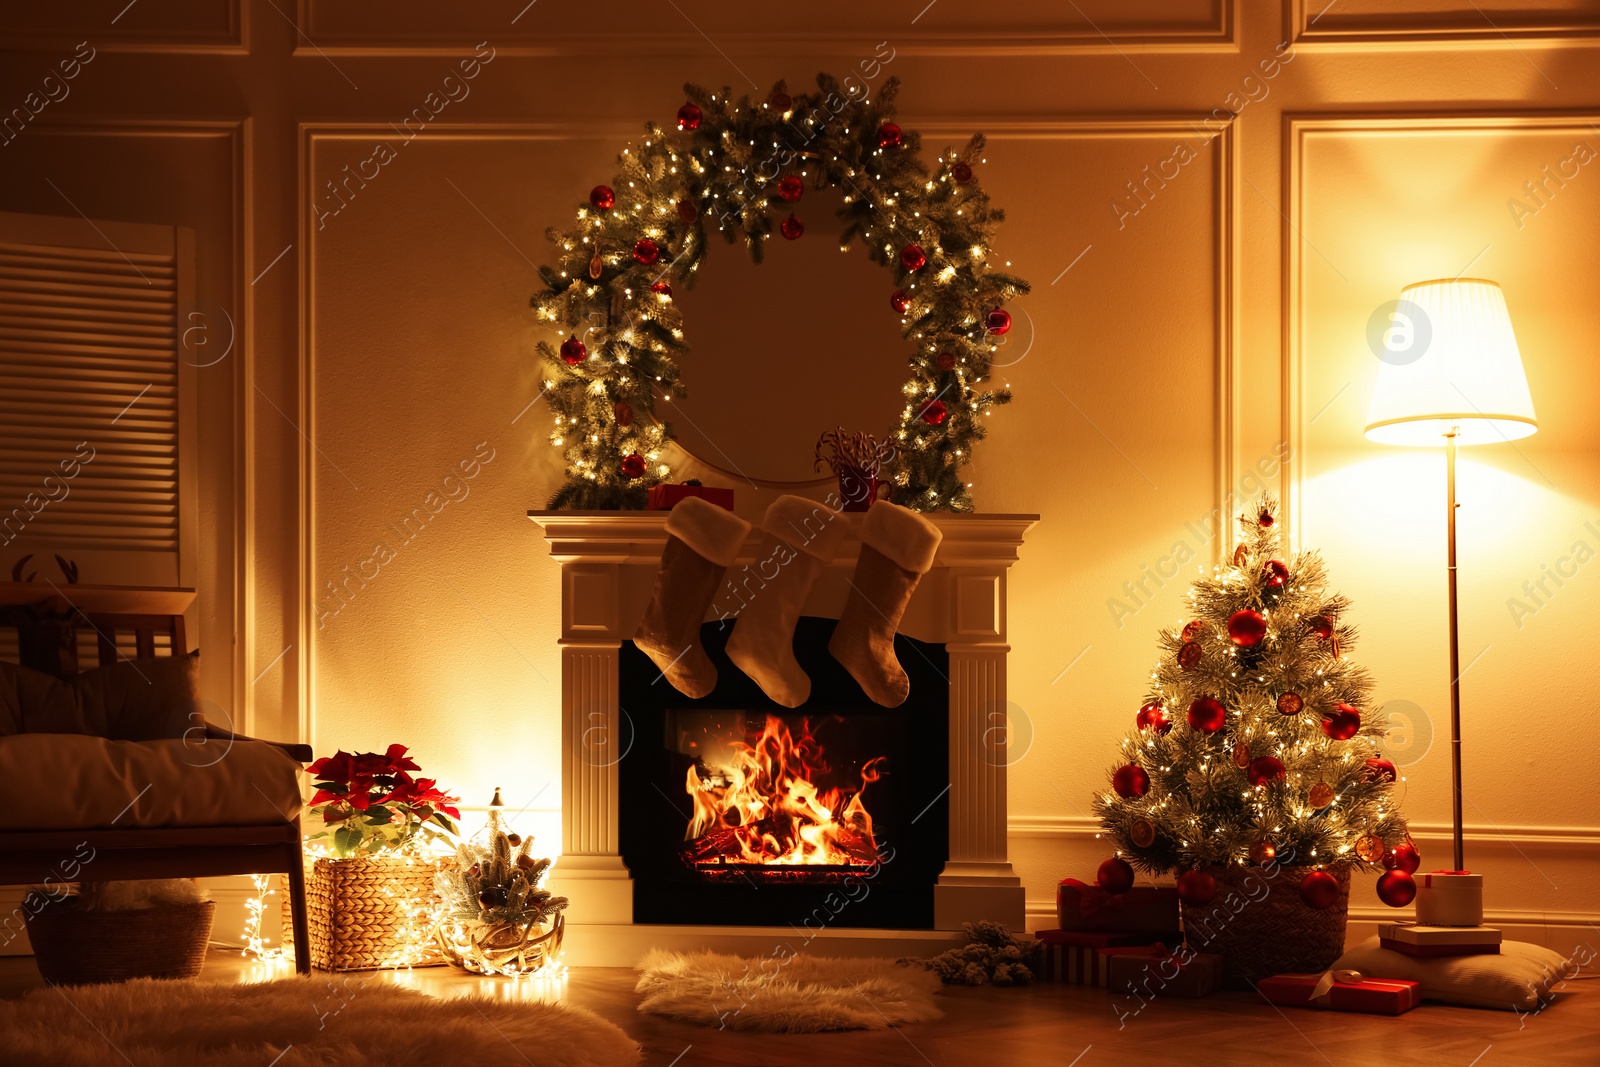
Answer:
(1451, 375)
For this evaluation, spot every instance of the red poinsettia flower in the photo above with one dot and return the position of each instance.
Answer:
(399, 760)
(334, 768)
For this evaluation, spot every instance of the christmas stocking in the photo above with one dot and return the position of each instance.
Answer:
(703, 541)
(798, 539)
(897, 548)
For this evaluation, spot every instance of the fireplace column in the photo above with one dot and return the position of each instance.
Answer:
(978, 881)
(595, 735)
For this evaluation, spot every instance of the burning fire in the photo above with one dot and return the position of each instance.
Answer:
(761, 806)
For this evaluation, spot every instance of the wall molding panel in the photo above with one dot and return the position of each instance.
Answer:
(174, 27)
(1423, 24)
(1096, 27)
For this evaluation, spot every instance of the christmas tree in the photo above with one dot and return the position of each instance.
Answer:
(1258, 743)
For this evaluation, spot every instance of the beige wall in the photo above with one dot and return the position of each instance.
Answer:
(382, 346)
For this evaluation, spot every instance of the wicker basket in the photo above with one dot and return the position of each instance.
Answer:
(75, 946)
(1261, 927)
(362, 913)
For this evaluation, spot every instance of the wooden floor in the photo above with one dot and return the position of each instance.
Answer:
(1044, 1025)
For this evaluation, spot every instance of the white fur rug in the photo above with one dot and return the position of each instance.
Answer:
(320, 1021)
(785, 994)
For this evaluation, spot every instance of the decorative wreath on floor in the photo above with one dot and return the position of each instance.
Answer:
(742, 168)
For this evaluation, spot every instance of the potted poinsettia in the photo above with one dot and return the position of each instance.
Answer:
(369, 803)
(370, 873)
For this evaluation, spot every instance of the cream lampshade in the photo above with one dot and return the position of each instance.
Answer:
(1459, 370)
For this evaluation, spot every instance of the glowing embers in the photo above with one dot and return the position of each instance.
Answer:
(767, 801)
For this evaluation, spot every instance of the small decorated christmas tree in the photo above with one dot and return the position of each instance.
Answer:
(1256, 749)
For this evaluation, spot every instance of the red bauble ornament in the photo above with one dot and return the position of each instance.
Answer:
(1207, 714)
(1130, 781)
(687, 211)
(792, 228)
(646, 251)
(1396, 888)
(1247, 627)
(1114, 876)
(1342, 723)
(688, 117)
(632, 465)
(1322, 626)
(790, 188)
(1153, 717)
(912, 258)
(1275, 573)
(602, 197)
(961, 173)
(1264, 770)
(661, 288)
(997, 321)
(573, 352)
(1190, 655)
(900, 300)
(1403, 857)
(946, 361)
(1193, 631)
(780, 102)
(623, 414)
(1196, 888)
(1319, 890)
(889, 135)
(1381, 770)
(935, 413)
(1263, 852)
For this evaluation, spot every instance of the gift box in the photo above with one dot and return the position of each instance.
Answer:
(663, 497)
(1450, 898)
(1141, 910)
(1378, 996)
(1414, 939)
(1075, 956)
(1155, 971)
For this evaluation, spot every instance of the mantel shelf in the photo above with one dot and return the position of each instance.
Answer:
(639, 536)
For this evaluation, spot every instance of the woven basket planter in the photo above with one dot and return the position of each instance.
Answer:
(361, 916)
(74, 946)
(1260, 926)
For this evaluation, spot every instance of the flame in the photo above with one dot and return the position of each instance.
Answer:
(761, 805)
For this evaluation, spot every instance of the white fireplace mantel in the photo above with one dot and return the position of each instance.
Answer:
(608, 566)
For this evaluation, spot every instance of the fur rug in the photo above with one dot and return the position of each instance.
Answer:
(787, 994)
(320, 1021)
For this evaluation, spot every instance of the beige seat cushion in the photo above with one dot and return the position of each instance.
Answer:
(132, 700)
(70, 781)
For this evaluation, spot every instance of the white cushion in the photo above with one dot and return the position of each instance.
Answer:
(1520, 978)
(75, 782)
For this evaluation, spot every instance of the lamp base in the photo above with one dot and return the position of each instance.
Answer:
(1450, 898)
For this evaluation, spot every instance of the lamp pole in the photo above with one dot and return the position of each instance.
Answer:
(1455, 651)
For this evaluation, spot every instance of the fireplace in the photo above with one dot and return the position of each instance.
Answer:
(621, 859)
(733, 810)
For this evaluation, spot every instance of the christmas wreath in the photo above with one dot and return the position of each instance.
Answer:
(741, 169)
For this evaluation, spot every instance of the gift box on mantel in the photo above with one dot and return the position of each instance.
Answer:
(1341, 991)
(663, 497)
(1415, 939)
(1079, 957)
(1141, 910)
(1156, 971)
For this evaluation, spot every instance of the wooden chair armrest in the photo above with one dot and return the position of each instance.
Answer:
(298, 753)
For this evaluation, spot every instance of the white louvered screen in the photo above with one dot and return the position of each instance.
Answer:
(94, 411)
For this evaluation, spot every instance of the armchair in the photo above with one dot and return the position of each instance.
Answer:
(114, 773)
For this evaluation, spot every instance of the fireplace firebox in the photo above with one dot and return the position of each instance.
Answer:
(734, 810)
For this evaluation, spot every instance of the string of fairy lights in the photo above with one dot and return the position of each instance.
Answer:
(731, 167)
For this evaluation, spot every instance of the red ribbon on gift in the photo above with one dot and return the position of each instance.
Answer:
(1092, 899)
